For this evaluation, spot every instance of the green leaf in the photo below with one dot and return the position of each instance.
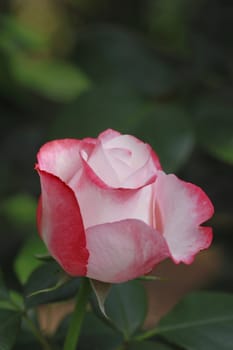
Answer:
(202, 321)
(10, 300)
(214, 126)
(126, 307)
(95, 334)
(47, 276)
(56, 80)
(26, 261)
(13, 301)
(9, 327)
(168, 129)
(149, 345)
(44, 257)
(61, 282)
(15, 37)
(25, 341)
(5, 302)
(17, 300)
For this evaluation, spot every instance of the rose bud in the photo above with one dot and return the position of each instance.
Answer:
(107, 210)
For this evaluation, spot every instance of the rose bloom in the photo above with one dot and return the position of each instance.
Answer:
(107, 210)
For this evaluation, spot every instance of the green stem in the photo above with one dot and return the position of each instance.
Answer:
(76, 321)
(147, 334)
(37, 333)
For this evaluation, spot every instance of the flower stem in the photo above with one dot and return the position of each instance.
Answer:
(74, 329)
(37, 333)
(148, 334)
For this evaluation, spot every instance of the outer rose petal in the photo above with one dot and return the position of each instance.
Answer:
(101, 205)
(61, 225)
(61, 158)
(180, 208)
(123, 250)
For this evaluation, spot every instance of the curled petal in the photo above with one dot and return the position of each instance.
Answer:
(61, 226)
(100, 166)
(121, 161)
(108, 134)
(123, 250)
(179, 209)
(61, 158)
(140, 150)
(146, 174)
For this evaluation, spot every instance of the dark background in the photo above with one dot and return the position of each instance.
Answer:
(159, 69)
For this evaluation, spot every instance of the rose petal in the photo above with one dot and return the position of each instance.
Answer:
(119, 159)
(108, 134)
(61, 158)
(143, 162)
(123, 250)
(141, 149)
(100, 165)
(61, 225)
(138, 148)
(180, 208)
(146, 174)
(122, 161)
(100, 205)
(104, 168)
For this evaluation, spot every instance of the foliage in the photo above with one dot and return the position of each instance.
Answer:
(202, 320)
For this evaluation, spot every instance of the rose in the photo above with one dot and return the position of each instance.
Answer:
(108, 211)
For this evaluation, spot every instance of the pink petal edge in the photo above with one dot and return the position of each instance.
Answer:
(180, 208)
(60, 158)
(61, 226)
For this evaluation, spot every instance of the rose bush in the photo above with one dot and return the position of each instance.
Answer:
(109, 212)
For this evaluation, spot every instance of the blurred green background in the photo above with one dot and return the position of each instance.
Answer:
(159, 69)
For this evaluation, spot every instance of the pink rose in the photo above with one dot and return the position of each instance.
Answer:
(108, 211)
